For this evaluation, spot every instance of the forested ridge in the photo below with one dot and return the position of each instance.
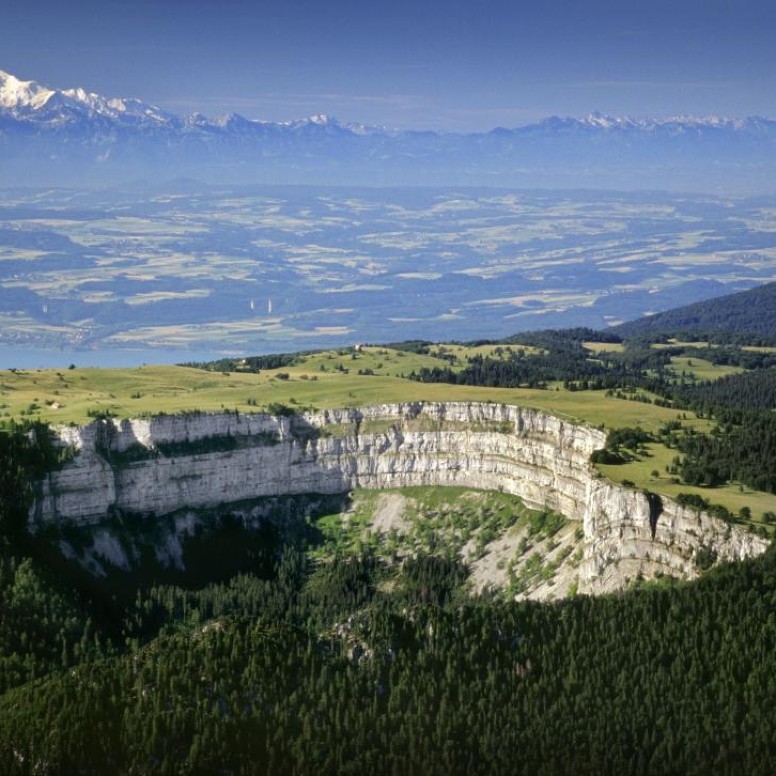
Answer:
(743, 313)
(751, 390)
(561, 357)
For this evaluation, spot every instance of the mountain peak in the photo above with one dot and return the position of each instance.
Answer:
(15, 93)
(32, 99)
(317, 120)
(603, 121)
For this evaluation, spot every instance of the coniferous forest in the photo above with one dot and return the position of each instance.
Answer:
(331, 670)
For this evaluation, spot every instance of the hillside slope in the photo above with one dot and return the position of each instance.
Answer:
(746, 312)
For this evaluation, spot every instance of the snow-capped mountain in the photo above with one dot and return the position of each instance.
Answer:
(16, 95)
(61, 136)
(30, 101)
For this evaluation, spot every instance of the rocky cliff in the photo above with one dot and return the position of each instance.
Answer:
(161, 465)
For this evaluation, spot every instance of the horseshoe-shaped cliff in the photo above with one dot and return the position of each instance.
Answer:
(152, 467)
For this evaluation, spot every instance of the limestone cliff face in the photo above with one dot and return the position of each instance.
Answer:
(158, 466)
(627, 534)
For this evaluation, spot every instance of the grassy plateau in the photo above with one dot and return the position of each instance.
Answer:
(359, 377)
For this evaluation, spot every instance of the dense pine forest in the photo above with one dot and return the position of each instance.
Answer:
(741, 316)
(293, 665)
(341, 669)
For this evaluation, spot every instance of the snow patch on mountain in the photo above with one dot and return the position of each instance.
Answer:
(29, 100)
(66, 136)
(23, 99)
(15, 93)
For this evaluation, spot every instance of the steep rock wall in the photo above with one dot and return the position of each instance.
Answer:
(164, 464)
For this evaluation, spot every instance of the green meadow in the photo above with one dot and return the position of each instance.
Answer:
(322, 380)
(358, 377)
(351, 377)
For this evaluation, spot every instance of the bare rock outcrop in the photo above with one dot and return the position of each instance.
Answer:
(157, 466)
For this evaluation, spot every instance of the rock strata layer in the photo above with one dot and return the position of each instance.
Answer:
(157, 466)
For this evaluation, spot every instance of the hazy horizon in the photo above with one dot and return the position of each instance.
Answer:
(456, 66)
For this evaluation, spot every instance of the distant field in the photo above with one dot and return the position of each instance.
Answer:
(675, 343)
(462, 352)
(604, 347)
(702, 369)
(258, 269)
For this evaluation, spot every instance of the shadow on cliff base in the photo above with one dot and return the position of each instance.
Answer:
(223, 544)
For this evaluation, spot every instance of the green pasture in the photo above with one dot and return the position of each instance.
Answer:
(331, 379)
(649, 472)
(462, 352)
(675, 343)
(604, 347)
(75, 395)
(702, 369)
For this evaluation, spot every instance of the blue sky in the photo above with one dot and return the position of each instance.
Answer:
(451, 65)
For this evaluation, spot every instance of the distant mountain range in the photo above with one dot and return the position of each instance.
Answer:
(71, 136)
